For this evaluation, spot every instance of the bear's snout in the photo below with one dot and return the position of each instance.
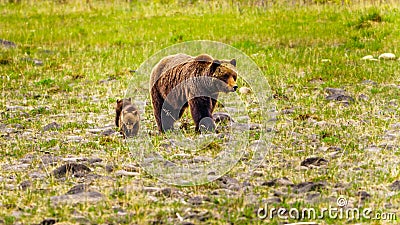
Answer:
(235, 88)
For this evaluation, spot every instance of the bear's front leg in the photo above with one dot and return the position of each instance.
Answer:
(201, 110)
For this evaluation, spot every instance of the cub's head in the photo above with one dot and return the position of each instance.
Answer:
(129, 121)
(121, 103)
(225, 71)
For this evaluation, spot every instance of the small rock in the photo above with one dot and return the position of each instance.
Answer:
(25, 184)
(272, 200)
(315, 161)
(36, 62)
(287, 111)
(363, 97)
(278, 182)
(48, 221)
(82, 197)
(368, 82)
(121, 173)
(15, 108)
(77, 189)
(196, 200)
(244, 90)
(51, 126)
(368, 57)
(334, 91)
(339, 97)
(308, 186)
(387, 56)
(7, 44)
(108, 132)
(71, 169)
(363, 195)
(312, 197)
(395, 186)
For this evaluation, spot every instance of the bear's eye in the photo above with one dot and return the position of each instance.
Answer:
(225, 76)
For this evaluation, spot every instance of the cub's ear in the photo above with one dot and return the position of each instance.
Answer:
(233, 62)
(119, 100)
(130, 99)
(215, 64)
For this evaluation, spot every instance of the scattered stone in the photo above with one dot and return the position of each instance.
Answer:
(110, 168)
(51, 126)
(287, 111)
(121, 173)
(325, 60)
(25, 184)
(229, 183)
(339, 97)
(108, 132)
(314, 161)
(387, 56)
(48, 221)
(372, 149)
(166, 192)
(82, 197)
(75, 169)
(74, 138)
(78, 189)
(312, 197)
(363, 97)
(335, 91)
(198, 200)
(272, 200)
(369, 82)
(15, 108)
(244, 90)
(95, 160)
(395, 186)
(363, 195)
(198, 215)
(308, 186)
(7, 44)
(17, 167)
(220, 117)
(36, 62)
(368, 57)
(278, 182)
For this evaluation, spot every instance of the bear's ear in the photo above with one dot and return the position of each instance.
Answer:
(215, 64)
(233, 62)
(130, 99)
(204, 58)
(119, 100)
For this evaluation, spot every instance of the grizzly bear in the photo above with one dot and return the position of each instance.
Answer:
(180, 81)
(127, 117)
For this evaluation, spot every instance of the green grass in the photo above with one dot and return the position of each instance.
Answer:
(89, 50)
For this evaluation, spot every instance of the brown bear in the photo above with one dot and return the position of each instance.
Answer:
(180, 80)
(127, 117)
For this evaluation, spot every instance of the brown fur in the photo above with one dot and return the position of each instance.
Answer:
(127, 117)
(179, 81)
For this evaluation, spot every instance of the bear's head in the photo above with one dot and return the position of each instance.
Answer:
(225, 71)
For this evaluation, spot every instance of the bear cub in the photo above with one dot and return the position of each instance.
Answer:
(181, 81)
(127, 117)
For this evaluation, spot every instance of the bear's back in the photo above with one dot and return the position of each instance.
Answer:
(166, 64)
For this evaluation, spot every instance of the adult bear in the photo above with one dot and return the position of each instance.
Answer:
(180, 80)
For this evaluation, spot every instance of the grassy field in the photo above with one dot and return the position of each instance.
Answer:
(336, 134)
